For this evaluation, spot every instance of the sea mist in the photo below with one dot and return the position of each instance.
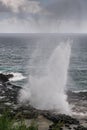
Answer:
(48, 92)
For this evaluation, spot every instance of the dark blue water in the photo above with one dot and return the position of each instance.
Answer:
(78, 63)
(28, 54)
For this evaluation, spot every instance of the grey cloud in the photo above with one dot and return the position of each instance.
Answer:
(3, 8)
(55, 9)
(48, 16)
(67, 9)
(17, 6)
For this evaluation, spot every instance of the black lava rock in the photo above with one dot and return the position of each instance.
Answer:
(55, 126)
(3, 78)
(10, 76)
(61, 118)
(81, 128)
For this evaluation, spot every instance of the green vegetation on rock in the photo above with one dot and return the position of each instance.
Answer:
(56, 126)
(7, 123)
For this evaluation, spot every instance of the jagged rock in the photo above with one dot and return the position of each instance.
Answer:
(79, 96)
(55, 127)
(61, 118)
(10, 76)
(9, 93)
(3, 78)
(81, 128)
(26, 112)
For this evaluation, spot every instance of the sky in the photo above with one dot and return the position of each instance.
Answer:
(43, 16)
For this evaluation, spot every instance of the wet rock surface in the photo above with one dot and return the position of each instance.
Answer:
(61, 118)
(9, 99)
(77, 95)
(81, 128)
(79, 101)
(5, 77)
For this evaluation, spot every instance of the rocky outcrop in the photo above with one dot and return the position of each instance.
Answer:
(80, 128)
(9, 76)
(5, 78)
(56, 118)
(79, 96)
(9, 99)
(8, 92)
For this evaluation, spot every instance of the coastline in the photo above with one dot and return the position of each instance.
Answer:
(46, 119)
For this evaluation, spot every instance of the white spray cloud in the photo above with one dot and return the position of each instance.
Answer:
(48, 92)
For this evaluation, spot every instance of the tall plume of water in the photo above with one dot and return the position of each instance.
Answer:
(48, 92)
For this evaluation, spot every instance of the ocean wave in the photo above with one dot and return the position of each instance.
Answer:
(80, 91)
(80, 114)
(17, 77)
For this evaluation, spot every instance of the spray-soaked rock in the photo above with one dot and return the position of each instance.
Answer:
(80, 128)
(10, 76)
(8, 92)
(61, 118)
(5, 78)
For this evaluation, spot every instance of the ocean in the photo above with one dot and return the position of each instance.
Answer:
(27, 54)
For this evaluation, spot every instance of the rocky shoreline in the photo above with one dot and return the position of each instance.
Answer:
(8, 100)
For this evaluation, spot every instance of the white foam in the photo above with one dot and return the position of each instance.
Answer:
(48, 92)
(80, 114)
(17, 77)
(78, 91)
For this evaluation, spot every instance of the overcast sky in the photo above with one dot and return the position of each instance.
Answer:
(43, 16)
